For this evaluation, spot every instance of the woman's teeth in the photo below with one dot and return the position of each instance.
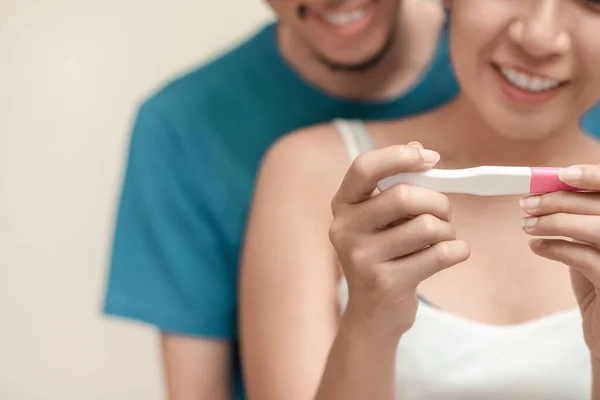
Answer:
(527, 82)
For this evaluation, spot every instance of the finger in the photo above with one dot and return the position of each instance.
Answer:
(585, 177)
(416, 144)
(566, 202)
(411, 236)
(371, 167)
(581, 257)
(419, 266)
(398, 203)
(583, 228)
(583, 288)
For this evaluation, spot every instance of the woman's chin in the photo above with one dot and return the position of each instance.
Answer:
(531, 129)
(526, 135)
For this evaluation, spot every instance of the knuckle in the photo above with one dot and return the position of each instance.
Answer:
(337, 204)
(333, 204)
(337, 232)
(561, 198)
(401, 193)
(380, 281)
(449, 231)
(360, 166)
(409, 154)
(428, 226)
(359, 256)
(559, 201)
(439, 253)
(333, 234)
(555, 222)
(556, 250)
(450, 252)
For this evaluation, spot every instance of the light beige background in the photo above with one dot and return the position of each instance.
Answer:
(71, 74)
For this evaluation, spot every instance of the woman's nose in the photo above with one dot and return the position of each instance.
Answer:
(540, 31)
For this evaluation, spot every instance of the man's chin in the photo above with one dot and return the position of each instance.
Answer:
(358, 66)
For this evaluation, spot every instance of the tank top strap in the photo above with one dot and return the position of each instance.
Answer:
(355, 136)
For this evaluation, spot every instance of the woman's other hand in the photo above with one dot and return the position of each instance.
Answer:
(571, 221)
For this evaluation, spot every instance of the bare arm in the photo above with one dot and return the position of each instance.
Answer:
(197, 369)
(288, 299)
(294, 345)
(361, 364)
(288, 302)
(289, 309)
(595, 379)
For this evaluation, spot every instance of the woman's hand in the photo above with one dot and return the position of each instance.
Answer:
(576, 216)
(389, 242)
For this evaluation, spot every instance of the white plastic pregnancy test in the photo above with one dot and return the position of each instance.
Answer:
(484, 181)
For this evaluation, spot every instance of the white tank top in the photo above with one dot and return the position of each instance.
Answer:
(447, 357)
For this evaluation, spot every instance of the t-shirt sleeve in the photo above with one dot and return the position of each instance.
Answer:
(168, 266)
(591, 121)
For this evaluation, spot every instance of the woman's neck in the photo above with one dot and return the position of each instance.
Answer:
(473, 142)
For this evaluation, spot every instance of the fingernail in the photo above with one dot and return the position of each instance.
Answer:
(570, 174)
(530, 203)
(430, 156)
(415, 144)
(529, 222)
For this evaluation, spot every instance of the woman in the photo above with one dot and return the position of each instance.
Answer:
(425, 295)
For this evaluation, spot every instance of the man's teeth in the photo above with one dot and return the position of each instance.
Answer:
(346, 18)
(527, 82)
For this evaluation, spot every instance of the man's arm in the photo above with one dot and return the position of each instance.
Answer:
(197, 369)
(168, 266)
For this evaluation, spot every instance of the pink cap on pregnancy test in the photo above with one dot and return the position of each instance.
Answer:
(484, 181)
(546, 180)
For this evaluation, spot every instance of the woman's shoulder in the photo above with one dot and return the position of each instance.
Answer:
(399, 131)
(308, 141)
(313, 155)
(318, 155)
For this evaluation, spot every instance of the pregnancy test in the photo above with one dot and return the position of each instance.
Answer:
(484, 181)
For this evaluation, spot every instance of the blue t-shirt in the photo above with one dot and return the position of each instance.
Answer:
(194, 153)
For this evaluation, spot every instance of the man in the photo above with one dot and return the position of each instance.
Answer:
(197, 143)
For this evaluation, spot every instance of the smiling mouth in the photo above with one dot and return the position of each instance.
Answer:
(349, 16)
(341, 17)
(528, 82)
